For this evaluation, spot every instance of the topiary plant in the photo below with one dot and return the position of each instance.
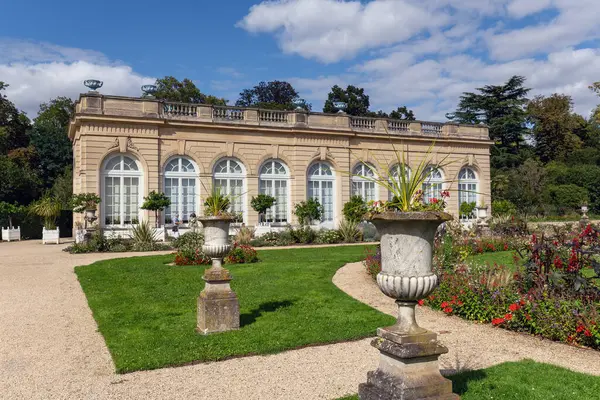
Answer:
(85, 202)
(307, 211)
(262, 203)
(156, 201)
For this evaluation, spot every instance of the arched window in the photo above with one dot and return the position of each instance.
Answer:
(361, 186)
(467, 186)
(395, 173)
(229, 175)
(121, 190)
(320, 186)
(433, 185)
(273, 180)
(181, 186)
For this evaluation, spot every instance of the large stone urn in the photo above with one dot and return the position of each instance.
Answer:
(218, 306)
(408, 364)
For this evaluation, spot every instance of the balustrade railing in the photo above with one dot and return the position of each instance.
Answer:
(177, 109)
(272, 116)
(228, 113)
(362, 123)
(431, 128)
(398, 126)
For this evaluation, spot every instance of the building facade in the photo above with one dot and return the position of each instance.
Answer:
(126, 147)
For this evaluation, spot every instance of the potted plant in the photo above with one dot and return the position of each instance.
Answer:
(157, 202)
(407, 226)
(261, 204)
(48, 208)
(86, 202)
(8, 210)
(218, 307)
(309, 211)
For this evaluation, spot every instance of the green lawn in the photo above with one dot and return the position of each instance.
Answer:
(146, 310)
(498, 257)
(524, 380)
(506, 258)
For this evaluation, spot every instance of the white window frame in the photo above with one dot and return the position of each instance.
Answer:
(359, 185)
(433, 186)
(179, 176)
(273, 177)
(395, 174)
(468, 187)
(228, 176)
(121, 174)
(320, 178)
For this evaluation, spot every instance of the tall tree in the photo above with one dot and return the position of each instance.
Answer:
(170, 88)
(554, 126)
(357, 102)
(13, 124)
(275, 95)
(403, 113)
(502, 108)
(50, 139)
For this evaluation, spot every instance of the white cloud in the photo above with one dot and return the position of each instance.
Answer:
(330, 30)
(36, 74)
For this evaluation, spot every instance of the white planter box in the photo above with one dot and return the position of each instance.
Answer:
(50, 235)
(160, 234)
(11, 234)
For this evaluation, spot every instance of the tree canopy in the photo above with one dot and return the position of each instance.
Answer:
(170, 88)
(357, 102)
(502, 108)
(277, 95)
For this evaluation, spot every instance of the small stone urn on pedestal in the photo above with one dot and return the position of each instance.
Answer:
(218, 306)
(585, 220)
(408, 364)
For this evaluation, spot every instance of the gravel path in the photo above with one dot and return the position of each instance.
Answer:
(471, 345)
(50, 349)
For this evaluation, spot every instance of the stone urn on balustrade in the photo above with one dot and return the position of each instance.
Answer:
(218, 306)
(408, 364)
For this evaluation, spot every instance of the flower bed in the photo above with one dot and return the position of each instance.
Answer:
(556, 294)
(189, 251)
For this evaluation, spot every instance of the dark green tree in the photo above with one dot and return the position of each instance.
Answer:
(403, 113)
(170, 88)
(357, 102)
(18, 183)
(502, 108)
(276, 95)
(525, 187)
(554, 126)
(49, 137)
(13, 124)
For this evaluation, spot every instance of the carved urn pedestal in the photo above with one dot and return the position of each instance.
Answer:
(218, 306)
(408, 364)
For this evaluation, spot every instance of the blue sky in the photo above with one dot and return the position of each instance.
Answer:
(422, 53)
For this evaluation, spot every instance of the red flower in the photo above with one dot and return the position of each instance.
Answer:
(505, 246)
(580, 329)
(434, 200)
(497, 321)
(444, 304)
(448, 310)
(508, 317)
(421, 302)
(522, 302)
(528, 317)
(460, 303)
(587, 333)
(514, 307)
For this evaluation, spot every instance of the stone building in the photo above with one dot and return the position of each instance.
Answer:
(126, 147)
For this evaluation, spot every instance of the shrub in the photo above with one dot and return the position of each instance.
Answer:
(156, 201)
(503, 208)
(244, 235)
(308, 211)
(355, 209)
(241, 254)
(303, 235)
(349, 231)
(189, 249)
(566, 197)
(189, 239)
(328, 236)
(85, 201)
(369, 232)
(466, 209)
